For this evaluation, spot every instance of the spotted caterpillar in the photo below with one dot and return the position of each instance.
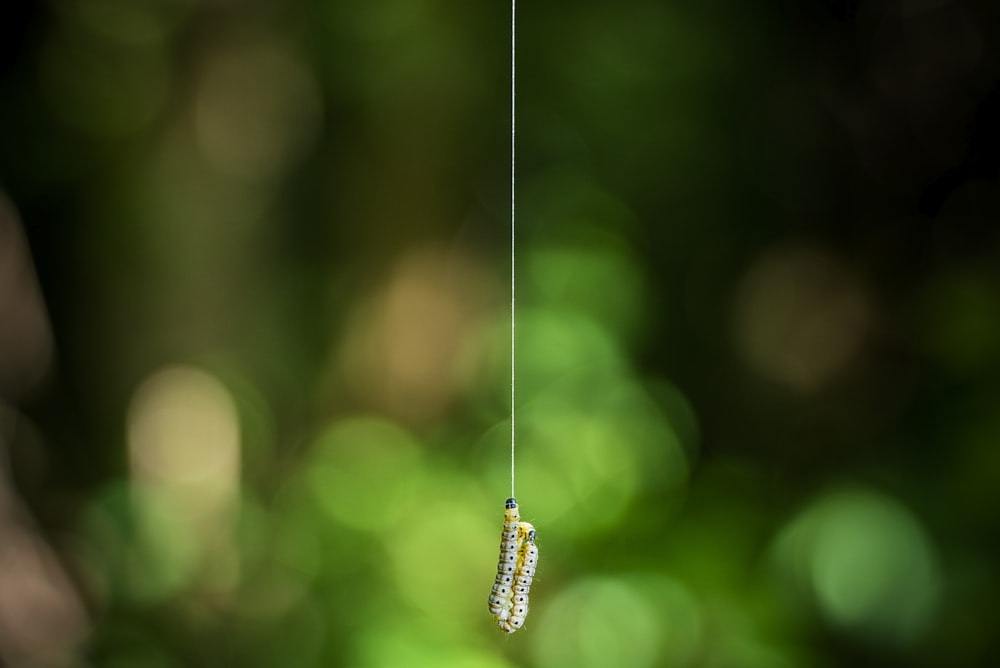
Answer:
(518, 557)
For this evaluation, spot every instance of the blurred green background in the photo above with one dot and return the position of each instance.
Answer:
(254, 332)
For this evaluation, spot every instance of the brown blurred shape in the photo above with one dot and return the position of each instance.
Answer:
(801, 317)
(42, 622)
(403, 351)
(25, 339)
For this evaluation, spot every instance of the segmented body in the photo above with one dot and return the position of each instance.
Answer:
(508, 602)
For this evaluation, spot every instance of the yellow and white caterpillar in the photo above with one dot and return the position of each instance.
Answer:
(518, 557)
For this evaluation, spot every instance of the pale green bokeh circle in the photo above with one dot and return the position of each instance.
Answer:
(409, 642)
(682, 632)
(362, 472)
(575, 473)
(165, 555)
(867, 561)
(586, 446)
(443, 559)
(596, 623)
(601, 282)
(562, 341)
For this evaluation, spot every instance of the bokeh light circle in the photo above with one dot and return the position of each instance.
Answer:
(362, 471)
(598, 622)
(867, 562)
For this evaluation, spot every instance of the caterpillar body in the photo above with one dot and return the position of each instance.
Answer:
(508, 602)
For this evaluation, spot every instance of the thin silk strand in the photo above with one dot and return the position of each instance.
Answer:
(513, 79)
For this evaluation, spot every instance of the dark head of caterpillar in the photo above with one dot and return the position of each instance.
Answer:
(511, 503)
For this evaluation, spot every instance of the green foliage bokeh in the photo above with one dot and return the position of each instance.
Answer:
(757, 330)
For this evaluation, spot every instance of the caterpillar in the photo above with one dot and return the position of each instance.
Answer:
(508, 602)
